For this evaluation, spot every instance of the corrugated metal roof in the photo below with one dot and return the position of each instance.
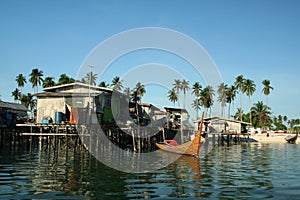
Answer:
(64, 94)
(181, 110)
(13, 106)
(78, 85)
(58, 91)
(214, 118)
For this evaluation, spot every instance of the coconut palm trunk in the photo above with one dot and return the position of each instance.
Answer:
(241, 114)
(250, 114)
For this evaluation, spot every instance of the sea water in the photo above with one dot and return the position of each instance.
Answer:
(242, 171)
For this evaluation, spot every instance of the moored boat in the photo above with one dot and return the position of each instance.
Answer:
(191, 148)
(291, 138)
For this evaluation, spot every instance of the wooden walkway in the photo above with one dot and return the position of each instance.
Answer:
(47, 129)
(48, 134)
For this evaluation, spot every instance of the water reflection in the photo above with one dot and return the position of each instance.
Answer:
(239, 171)
(47, 171)
(181, 179)
(242, 174)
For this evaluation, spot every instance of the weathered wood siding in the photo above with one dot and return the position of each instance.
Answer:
(48, 106)
(219, 126)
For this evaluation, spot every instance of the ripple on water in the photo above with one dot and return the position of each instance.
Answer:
(236, 172)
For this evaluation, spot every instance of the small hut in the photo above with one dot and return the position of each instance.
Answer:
(224, 125)
(63, 102)
(11, 113)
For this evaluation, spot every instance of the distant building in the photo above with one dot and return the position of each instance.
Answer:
(148, 114)
(11, 113)
(225, 125)
(175, 116)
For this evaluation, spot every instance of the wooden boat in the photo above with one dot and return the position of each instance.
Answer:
(291, 138)
(190, 148)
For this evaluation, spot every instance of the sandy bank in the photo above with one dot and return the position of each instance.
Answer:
(273, 138)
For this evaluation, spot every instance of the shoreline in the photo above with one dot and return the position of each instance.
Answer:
(272, 138)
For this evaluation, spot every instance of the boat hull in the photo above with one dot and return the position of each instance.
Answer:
(184, 149)
(291, 138)
(191, 148)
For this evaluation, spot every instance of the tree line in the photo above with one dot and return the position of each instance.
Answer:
(258, 115)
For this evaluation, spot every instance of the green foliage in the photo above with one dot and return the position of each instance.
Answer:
(172, 96)
(91, 78)
(261, 115)
(293, 124)
(206, 97)
(127, 92)
(230, 96)
(117, 83)
(103, 84)
(196, 103)
(16, 94)
(36, 78)
(48, 82)
(138, 92)
(65, 79)
(28, 101)
(21, 80)
(267, 87)
(222, 96)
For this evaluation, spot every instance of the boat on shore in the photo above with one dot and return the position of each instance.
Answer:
(291, 138)
(191, 148)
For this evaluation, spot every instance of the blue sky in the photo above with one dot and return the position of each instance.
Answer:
(259, 39)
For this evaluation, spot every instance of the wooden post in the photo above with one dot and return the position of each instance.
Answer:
(133, 140)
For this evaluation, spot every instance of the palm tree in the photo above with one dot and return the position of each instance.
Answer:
(28, 102)
(206, 97)
(261, 115)
(230, 96)
(127, 92)
(238, 113)
(117, 83)
(137, 94)
(222, 97)
(249, 88)
(197, 106)
(16, 94)
(177, 85)
(185, 87)
(140, 89)
(134, 97)
(103, 84)
(285, 118)
(48, 82)
(91, 78)
(83, 81)
(292, 123)
(36, 78)
(65, 79)
(239, 82)
(196, 91)
(25, 100)
(21, 80)
(266, 89)
(279, 118)
(172, 96)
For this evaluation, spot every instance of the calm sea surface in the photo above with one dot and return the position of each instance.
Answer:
(243, 171)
